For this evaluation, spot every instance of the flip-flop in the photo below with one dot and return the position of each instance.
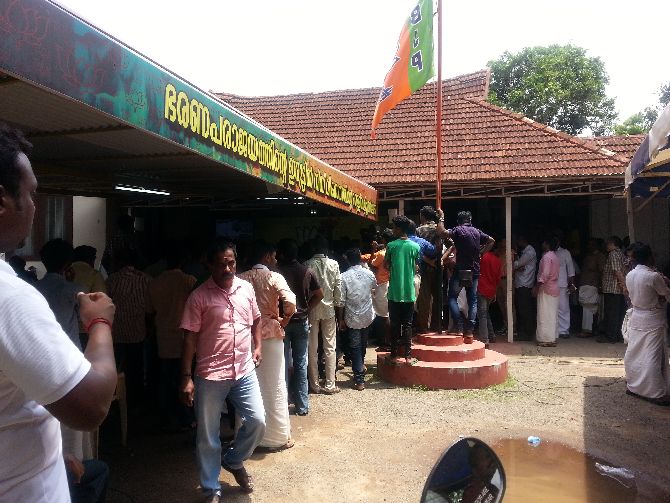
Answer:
(287, 445)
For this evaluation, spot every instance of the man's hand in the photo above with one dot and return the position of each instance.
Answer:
(440, 214)
(95, 305)
(343, 325)
(187, 391)
(74, 467)
(257, 357)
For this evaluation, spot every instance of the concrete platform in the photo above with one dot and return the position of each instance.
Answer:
(445, 362)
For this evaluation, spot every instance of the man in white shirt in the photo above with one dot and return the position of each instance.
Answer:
(566, 284)
(44, 378)
(357, 313)
(322, 317)
(524, 280)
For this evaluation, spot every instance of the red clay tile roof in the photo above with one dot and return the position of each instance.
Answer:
(481, 142)
(622, 145)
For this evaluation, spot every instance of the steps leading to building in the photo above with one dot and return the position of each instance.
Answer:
(446, 353)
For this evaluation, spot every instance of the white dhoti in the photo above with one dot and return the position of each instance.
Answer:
(547, 317)
(589, 299)
(273, 390)
(380, 302)
(646, 359)
(564, 311)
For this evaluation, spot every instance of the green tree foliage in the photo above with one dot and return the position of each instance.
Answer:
(641, 122)
(557, 85)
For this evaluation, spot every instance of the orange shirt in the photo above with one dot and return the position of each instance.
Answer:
(376, 260)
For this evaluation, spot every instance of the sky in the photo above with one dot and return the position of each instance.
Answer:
(261, 47)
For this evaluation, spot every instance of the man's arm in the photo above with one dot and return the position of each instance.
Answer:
(187, 354)
(257, 355)
(441, 231)
(86, 405)
(487, 246)
(288, 300)
(522, 261)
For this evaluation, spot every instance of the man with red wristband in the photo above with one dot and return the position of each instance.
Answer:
(44, 378)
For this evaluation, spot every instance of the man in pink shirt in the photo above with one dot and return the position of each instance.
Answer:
(220, 319)
(547, 291)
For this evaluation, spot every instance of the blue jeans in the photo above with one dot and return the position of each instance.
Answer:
(484, 315)
(295, 348)
(471, 293)
(358, 342)
(210, 396)
(93, 485)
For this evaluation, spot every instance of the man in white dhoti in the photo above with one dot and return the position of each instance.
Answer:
(548, 292)
(271, 288)
(590, 281)
(566, 284)
(646, 359)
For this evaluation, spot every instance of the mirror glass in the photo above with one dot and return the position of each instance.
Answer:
(468, 472)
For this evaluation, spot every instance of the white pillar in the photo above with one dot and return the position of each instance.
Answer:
(401, 207)
(510, 271)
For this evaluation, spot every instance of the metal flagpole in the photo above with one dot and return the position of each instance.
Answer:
(438, 104)
(436, 311)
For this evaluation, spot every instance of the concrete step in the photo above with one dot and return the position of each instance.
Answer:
(477, 374)
(460, 353)
(439, 339)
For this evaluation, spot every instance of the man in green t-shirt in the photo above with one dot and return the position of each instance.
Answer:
(401, 258)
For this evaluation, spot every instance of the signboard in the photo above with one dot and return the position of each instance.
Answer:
(42, 43)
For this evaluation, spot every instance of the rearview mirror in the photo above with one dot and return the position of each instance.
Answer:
(468, 472)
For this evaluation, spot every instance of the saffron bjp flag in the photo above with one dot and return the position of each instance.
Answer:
(412, 65)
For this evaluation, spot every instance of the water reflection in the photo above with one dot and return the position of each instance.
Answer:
(552, 472)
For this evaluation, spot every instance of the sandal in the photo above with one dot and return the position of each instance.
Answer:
(546, 344)
(290, 443)
(241, 477)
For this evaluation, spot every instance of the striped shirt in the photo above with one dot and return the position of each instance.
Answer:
(128, 289)
(613, 264)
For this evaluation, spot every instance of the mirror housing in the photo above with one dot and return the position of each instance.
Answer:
(468, 472)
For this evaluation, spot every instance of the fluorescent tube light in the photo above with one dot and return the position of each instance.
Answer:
(142, 190)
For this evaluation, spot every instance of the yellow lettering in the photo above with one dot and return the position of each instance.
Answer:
(170, 100)
(182, 109)
(196, 108)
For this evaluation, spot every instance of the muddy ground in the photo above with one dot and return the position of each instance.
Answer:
(380, 444)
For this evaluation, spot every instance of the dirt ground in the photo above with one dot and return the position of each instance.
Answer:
(380, 444)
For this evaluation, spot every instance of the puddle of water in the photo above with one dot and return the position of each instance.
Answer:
(552, 473)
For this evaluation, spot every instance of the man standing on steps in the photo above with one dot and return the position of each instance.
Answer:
(400, 260)
(470, 244)
(322, 317)
(424, 303)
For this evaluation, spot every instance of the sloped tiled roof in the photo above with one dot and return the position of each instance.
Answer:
(481, 142)
(622, 145)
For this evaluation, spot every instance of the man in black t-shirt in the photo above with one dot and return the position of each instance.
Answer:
(308, 293)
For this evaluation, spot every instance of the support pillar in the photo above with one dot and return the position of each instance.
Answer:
(401, 207)
(510, 270)
(630, 213)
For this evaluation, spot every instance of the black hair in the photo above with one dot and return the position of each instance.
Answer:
(259, 250)
(84, 253)
(412, 228)
(218, 246)
(17, 263)
(429, 213)
(552, 242)
(403, 223)
(464, 217)
(615, 241)
(642, 253)
(320, 244)
(56, 255)
(387, 235)
(12, 143)
(353, 256)
(288, 249)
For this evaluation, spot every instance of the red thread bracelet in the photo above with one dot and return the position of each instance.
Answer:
(94, 321)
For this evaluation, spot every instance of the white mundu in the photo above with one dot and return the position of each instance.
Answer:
(39, 365)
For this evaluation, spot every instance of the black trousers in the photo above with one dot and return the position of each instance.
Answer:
(613, 314)
(526, 313)
(400, 315)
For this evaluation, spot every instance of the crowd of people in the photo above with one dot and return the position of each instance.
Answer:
(253, 335)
